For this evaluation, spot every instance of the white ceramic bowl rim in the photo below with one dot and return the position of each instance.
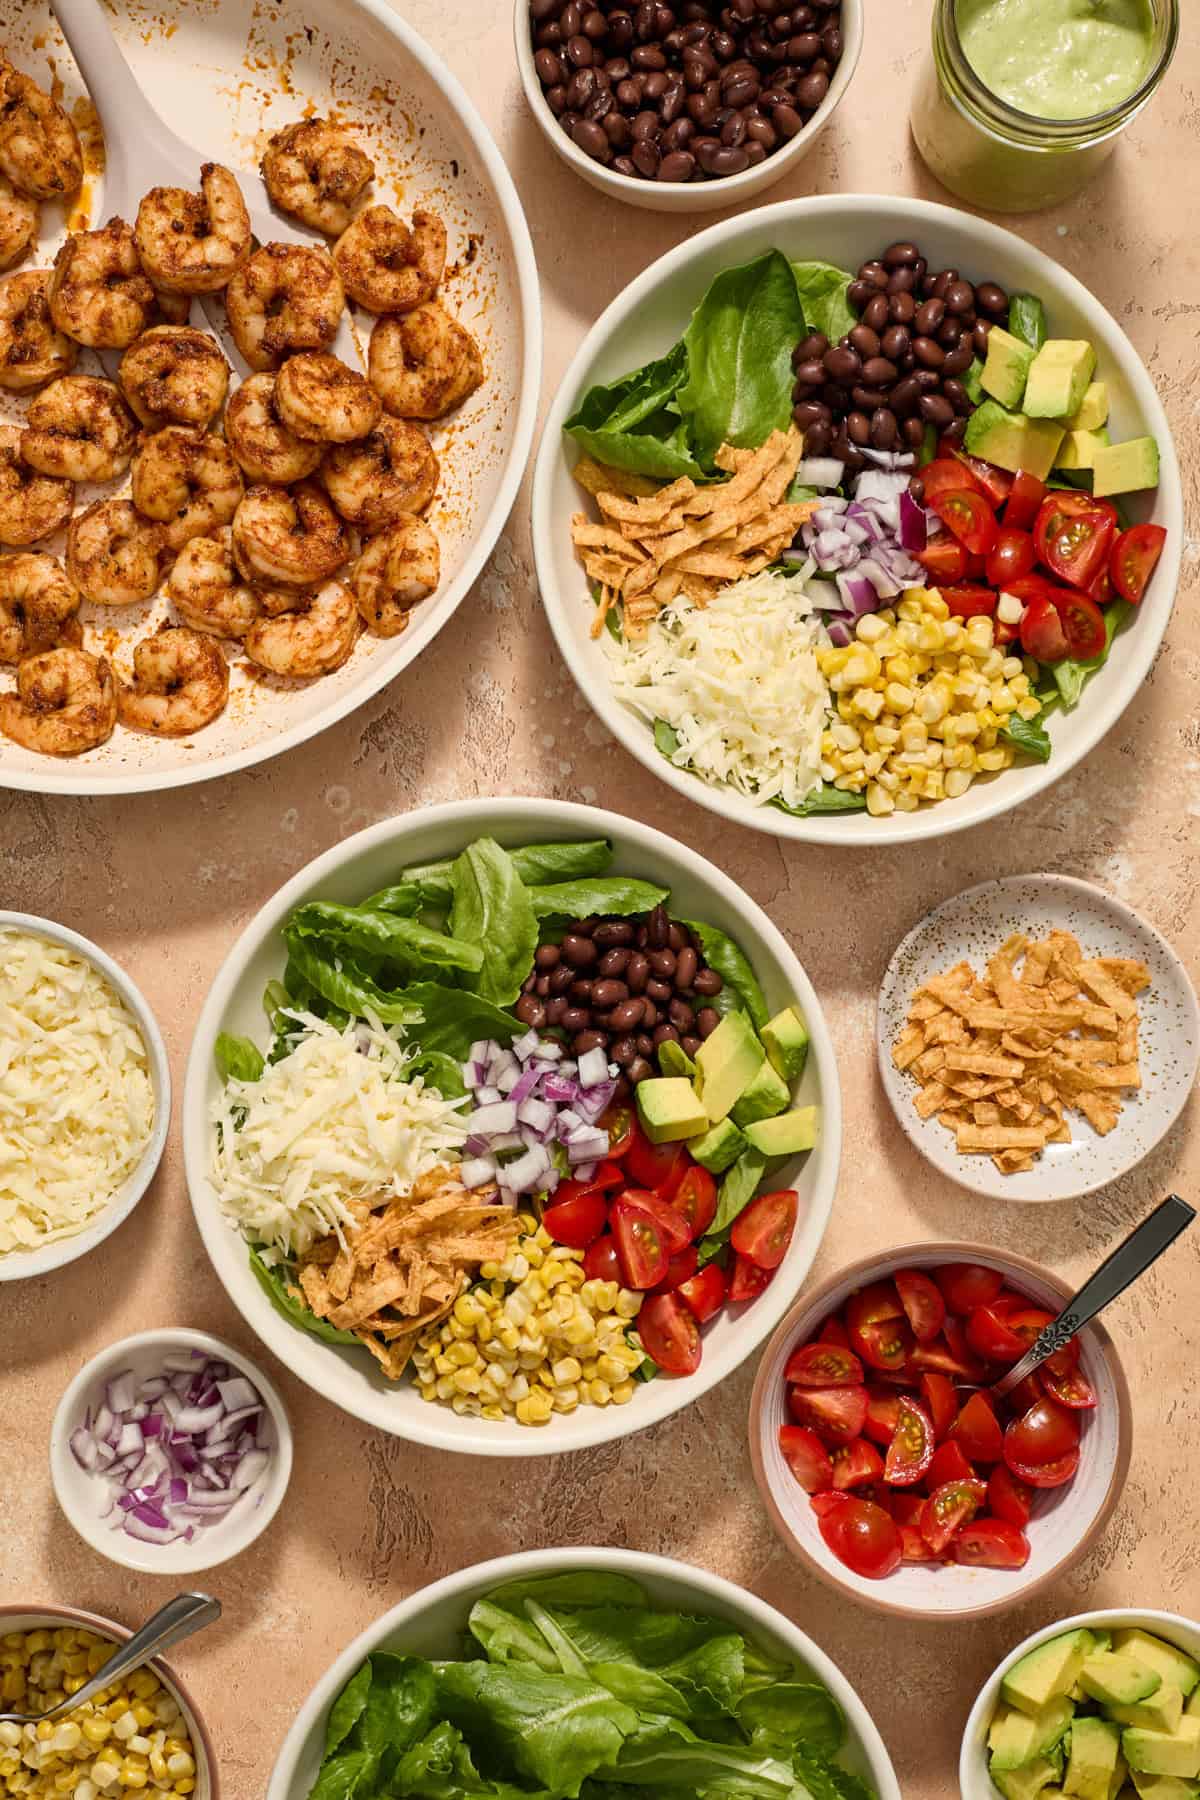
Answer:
(432, 1424)
(22, 1265)
(1115, 685)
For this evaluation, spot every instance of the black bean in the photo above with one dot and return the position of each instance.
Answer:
(583, 1041)
(708, 983)
(580, 52)
(959, 297)
(949, 331)
(530, 1011)
(540, 10)
(646, 157)
(685, 968)
(928, 353)
(859, 293)
(644, 56)
(641, 1069)
(803, 47)
(579, 951)
(658, 927)
(858, 428)
(549, 69)
(541, 986)
(817, 438)
(645, 1043)
(664, 1034)
(878, 372)
(929, 317)
(991, 300)
(960, 358)
(936, 410)
(612, 964)
(592, 139)
(901, 308)
(546, 956)
(594, 24)
(657, 989)
(875, 312)
(581, 992)
(979, 336)
(650, 1015)
(637, 970)
(787, 120)
(555, 1009)
(608, 993)
(884, 430)
(623, 1051)
(843, 364)
(690, 1044)
(681, 1015)
(613, 931)
(680, 165)
(561, 978)
(904, 397)
(901, 281)
(707, 1020)
(900, 255)
(677, 136)
(626, 1015)
(895, 342)
(556, 99)
(864, 340)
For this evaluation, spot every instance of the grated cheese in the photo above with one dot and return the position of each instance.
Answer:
(76, 1097)
(738, 682)
(332, 1122)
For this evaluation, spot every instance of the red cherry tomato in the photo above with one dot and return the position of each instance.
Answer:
(937, 1392)
(949, 1464)
(836, 1414)
(967, 1285)
(659, 1167)
(1064, 1359)
(696, 1199)
(681, 1267)
(828, 1500)
(911, 1449)
(1011, 556)
(833, 1332)
(601, 1262)
(883, 1414)
(913, 1548)
(991, 1544)
(1073, 535)
(970, 601)
(1072, 1389)
(1009, 1498)
(607, 1177)
(763, 1230)
(948, 1355)
(672, 1226)
(948, 475)
(1042, 634)
(948, 1508)
(1102, 590)
(1027, 1323)
(705, 1292)
(969, 516)
(823, 1365)
(923, 1305)
(670, 1335)
(995, 483)
(577, 1221)
(905, 1505)
(867, 1305)
(864, 1536)
(747, 1280)
(990, 1336)
(978, 1431)
(1047, 1474)
(1083, 624)
(1042, 1435)
(1027, 1393)
(884, 1345)
(855, 1464)
(1024, 501)
(944, 559)
(806, 1456)
(620, 1122)
(641, 1249)
(1133, 559)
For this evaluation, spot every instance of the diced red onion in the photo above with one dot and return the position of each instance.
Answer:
(120, 1392)
(488, 1096)
(820, 472)
(476, 1171)
(839, 632)
(501, 1116)
(914, 524)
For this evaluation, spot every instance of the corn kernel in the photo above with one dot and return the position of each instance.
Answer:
(879, 801)
(957, 782)
(898, 697)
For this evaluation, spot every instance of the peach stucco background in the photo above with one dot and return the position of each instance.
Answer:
(165, 883)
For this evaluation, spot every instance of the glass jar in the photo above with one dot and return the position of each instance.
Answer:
(995, 157)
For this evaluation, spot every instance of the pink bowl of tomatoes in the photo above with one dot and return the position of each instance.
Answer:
(888, 1466)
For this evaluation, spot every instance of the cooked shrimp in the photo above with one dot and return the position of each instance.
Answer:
(262, 444)
(114, 556)
(423, 363)
(98, 294)
(192, 243)
(288, 537)
(39, 147)
(174, 375)
(80, 429)
(319, 398)
(170, 309)
(19, 217)
(180, 683)
(32, 505)
(65, 703)
(315, 171)
(188, 481)
(314, 638)
(207, 592)
(39, 606)
(397, 569)
(286, 297)
(373, 482)
(388, 266)
(32, 350)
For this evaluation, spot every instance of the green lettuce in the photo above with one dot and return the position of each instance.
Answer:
(822, 289)
(491, 911)
(237, 1058)
(733, 966)
(275, 1284)
(739, 356)
(619, 895)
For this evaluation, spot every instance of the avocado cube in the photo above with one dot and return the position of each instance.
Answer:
(1078, 450)
(767, 1095)
(1095, 1753)
(1193, 1705)
(785, 1040)
(1125, 468)
(1103, 1639)
(1093, 410)
(1028, 1782)
(1118, 1779)
(1007, 367)
(1164, 1787)
(1161, 1711)
(1119, 1678)
(726, 1063)
(673, 1059)
(1176, 1667)
(788, 1134)
(1016, 1738)
(1052, 1668)
(1058, 378)
(719, 1148)
(1165, 1752)
(1012, 441)
(669, 1109)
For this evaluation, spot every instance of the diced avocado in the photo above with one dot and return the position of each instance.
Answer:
(1104, 1639)
(673, 1059)
(669, 1109)
(1193, 1705)
(1078, 450)
(787, 1134)
(785, 1040)
(1095, 1753)
(1164, 1752)
(727, 1063)
(1164, 1787)
(1175, 1666)
(1124, 468)
(1012, 441)
(1093, 409)
(1118, 1678)
(1016, 1738)
(1118, 1778)
(1006, 368)
(719, 1148)
(1029, 1781)
(1050, 1669)
(1058, 378)
(767, 1095)
(1161, 1711)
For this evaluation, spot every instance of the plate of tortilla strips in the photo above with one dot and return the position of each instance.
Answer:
(1036, 1037)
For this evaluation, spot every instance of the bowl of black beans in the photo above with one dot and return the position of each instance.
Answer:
(687, 106)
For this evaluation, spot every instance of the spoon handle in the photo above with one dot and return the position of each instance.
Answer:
(1129, 1260)
(169, 1625)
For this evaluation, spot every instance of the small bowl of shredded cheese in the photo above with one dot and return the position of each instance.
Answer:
(85, 1096)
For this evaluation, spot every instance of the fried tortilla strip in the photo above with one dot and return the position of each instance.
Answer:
(1013, 1162)
(930, 1098)
(1108, 992)
(1099, 1112)
(597, 478)
(975, 1140)
(587, 535)
(977, 1062)
(315, 1288)
(908, 1046)
(1128, 973)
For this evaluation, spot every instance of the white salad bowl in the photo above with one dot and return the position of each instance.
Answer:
(362, 865)
(22, 1265)
(431, 1623)
(652, 313)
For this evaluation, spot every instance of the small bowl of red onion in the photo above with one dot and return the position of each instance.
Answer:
(170, 1452)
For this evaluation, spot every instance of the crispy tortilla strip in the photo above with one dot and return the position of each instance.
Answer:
(314, 1288)
(1095, 1075)
(908, 1046)
(930, 1098)
(1100, 1113)
(1001, 969)
(975, 1140)
(384, 1290)
(1108, 992)
(1013, 1162)
(650, 509)
(587, 535)
(597, 478)
(1128, 973)
(1001, 1018)
(928, 1064)
(983, 1062)
(986, 1112)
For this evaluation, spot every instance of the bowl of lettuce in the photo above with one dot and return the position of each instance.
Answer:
(694, 357)
(583, 1674)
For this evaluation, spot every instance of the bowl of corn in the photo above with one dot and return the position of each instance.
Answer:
(143, 1735)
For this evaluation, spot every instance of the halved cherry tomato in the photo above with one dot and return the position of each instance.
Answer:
(620, 1122)
(1047, 1474)
(827, 1500)
(970, 601)
(990, 1336)
(823, 1366)
(991, 1544)
(883, 1414)
(1042, 1435)
(878, 1300)
(968, 514)
(577, 1222)
(923, 1305)
(913, 1548)
(1027, 1323)
(669, 1333)
(1073, 535)
(1072, 1390)
(948, 1508)
(1042, 634)
(763, 1230)
(945, 559)
(1102, 590)
(855, 1464)
(949, 1464)
(967, 1285)
(601, 1263)
(747, 1280)
(911, 1449)
(704, 1293)
(1011, 556)
(606, 1177)
(937, 1391)
(948, 475)
(1083, 623)
(659, 1167)
(1133, 558)
(672, 1226)
(1024, 501)
(977, 1429)
(642, 1251)
(947, 1355)
(1027, 1393)
(805, 1455)
(905, 1506)
(1009, 1498)
(1065, 1358)
(884, 1345)
(864, 1536)
(681, 1267)
(996, 483)
(833, 1332)
(696, 1199)
(836, 1414)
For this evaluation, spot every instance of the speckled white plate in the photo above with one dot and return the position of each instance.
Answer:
(972, 926)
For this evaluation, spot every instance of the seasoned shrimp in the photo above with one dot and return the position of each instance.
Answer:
(80, 429)
(188, 481)
(174, 375)
(32, 350)
(114, 556)
(32, 505)
(98, 293)
(19, 218)
(284, 298)
(373, 482)
(397, 569)
(39, 606)
(65, 703)
(388, 266)
(262, 444)
(206, 591)
(423, 363)
(192, 243)
(315, 171)
(314, 638)
(39, 147)
(180, 683)
(288, 537)
(319, 398)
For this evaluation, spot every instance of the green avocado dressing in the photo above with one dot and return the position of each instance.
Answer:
(1058, 59)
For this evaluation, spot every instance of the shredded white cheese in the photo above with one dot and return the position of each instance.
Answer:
(76, 1098)
(738, 682)
(332, 1122)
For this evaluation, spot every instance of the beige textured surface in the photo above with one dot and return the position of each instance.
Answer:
(164, 884)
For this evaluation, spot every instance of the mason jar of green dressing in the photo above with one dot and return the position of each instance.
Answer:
(1020, 101)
